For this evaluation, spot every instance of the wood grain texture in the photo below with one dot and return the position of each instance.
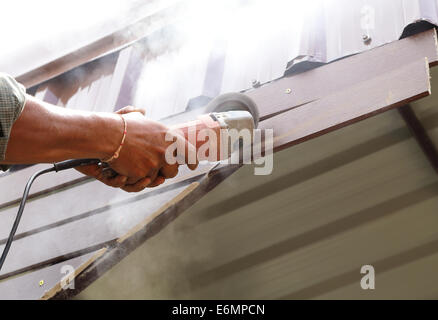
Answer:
(379, 92)
(89, 229)
(148, 228)
(44, 184)
(354, 103)
(325, 80)
(362, 174)
(358, 101)
(59, 286)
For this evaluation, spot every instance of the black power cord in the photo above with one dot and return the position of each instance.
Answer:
(60, 166)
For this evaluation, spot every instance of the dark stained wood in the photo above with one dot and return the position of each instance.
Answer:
(354, 103)
(420, 134)
(324, 81)
(41, 217)
(147, 229)
(372, 92)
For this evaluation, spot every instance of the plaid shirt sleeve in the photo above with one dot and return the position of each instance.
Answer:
(12, 99)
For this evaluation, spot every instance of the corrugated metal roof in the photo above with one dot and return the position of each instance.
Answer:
(222, 46)
(258, 41)
(342, 27)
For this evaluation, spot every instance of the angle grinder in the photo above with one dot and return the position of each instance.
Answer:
(226, 112)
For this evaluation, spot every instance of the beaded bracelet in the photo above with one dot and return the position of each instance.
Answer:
(116, 154)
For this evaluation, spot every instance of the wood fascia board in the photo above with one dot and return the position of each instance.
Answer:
(290, 92)
(58, 287)
(393, 89)
(354, 68)
(345, 106)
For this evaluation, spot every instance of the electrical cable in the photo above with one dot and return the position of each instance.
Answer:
(60, 166)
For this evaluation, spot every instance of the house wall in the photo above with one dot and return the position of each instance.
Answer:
(233, 236)
(362, 195)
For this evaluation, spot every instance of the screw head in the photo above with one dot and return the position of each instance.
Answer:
(41, 283)
(288, 91)
(366, 38)
(255, 83)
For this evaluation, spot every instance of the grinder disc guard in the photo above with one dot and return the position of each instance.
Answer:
(234, 102)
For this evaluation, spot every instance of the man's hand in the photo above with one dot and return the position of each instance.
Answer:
(44, 133)
(142, 158)
(141, 162)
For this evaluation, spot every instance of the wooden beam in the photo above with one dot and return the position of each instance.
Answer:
(290, 92)
(420, 134)
(146, 229)
(90, 228)
(352, 104)
(390, 90)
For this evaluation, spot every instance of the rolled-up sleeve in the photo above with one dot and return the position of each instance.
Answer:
(12, 100)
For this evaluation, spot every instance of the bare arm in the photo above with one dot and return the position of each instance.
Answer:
(47, 133)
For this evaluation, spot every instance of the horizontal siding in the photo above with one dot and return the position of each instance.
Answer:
(251, 228)
(364, 194)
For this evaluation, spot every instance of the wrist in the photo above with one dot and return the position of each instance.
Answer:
(110, 132)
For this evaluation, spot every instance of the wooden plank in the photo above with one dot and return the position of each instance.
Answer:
(48, 183)
(309, 270)
(420, 134)
(381, 93)
(148, 228)
(243, 240)
(92, 228)
(59, 286)
(18, 179)
(411, 281)
(337, 97)
(323, 81)
(130, 75)
(312, 185)
(314, 205)
(39, 215)
(28, 286)
(359, 101)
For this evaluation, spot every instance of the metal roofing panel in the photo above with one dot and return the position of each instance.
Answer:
(262, 40)
(344, 27)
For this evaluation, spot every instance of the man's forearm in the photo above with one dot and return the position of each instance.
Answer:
(47, 133)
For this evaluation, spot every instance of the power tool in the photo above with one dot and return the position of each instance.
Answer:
(228, 111)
